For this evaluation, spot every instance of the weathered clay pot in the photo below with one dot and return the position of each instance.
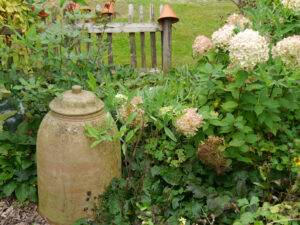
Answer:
(67, 166)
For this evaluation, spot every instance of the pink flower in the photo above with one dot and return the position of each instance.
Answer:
(202, 44)
(190, 122)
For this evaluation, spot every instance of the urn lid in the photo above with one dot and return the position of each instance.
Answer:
(76, 102)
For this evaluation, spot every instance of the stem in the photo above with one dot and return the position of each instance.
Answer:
(239, 101)
(272, 91)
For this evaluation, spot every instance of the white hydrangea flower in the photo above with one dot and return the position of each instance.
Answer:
(202, 45)
(222, 37)
(289, 51)
(291, 4)
(235, 19)
(189, 123)
(125, 110)
(248, 48)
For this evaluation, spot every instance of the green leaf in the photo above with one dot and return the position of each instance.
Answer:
(243, 202)
(241, 77)
(61, 3)
(251, 138)
(22, 192)
(4, 148)
(258, 109)
(26, 163)
(129, 135)
(170, 134)
(254, 201)
(9, 188)
(81, 2)
(229, 106)
(247, 218)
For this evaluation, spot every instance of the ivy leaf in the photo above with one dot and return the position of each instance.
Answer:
(229, 106)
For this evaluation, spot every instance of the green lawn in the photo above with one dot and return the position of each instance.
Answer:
(196, 18)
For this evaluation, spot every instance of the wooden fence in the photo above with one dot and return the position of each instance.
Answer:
(133, 29)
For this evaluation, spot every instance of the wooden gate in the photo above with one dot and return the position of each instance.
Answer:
(133, 29)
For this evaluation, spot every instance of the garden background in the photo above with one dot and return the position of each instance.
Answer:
(214, 141)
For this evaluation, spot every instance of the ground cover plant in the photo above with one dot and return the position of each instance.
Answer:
(214, 143)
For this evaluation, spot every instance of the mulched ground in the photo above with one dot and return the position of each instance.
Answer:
(11, 213)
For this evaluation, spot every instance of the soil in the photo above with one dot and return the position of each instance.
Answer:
(12, 213)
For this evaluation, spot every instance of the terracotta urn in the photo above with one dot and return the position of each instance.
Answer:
(67, 166)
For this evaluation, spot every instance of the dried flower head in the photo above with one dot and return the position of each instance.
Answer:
(134, 106)
(248, 48)
(291, 4)
(210, 152)
(190, 122)
(239, 19)
(202, 45)
(289, 51)
(222, 36)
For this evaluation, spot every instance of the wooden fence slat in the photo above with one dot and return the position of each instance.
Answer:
(78, 44)
(153, 39)
(162, 39)
(53, 18)
(98, 10)
(142, 34)
(110, 45)
(110, 49)
(120, 27)
(132, 39)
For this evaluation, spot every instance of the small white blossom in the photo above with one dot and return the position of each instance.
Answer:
(121, 96)
(182, 221)
(248, 48)
(164, 110)
(222, 37)
(202, 45)
(291, 4)
(289, 51)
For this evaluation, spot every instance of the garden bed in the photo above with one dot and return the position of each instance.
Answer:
(12, 213)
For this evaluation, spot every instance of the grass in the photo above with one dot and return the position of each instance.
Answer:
(196, 18)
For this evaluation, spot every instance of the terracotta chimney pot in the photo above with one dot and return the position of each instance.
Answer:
(168, 13)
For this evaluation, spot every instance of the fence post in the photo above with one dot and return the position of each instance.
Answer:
(153, 39)
(132, 38)
(167, 44)
(142, 35)
(167, 18)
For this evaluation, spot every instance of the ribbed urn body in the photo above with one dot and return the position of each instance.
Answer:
(67, 166)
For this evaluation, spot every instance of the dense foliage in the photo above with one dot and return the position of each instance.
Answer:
(218, 143)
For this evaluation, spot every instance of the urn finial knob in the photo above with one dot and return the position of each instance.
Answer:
(76, 89)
